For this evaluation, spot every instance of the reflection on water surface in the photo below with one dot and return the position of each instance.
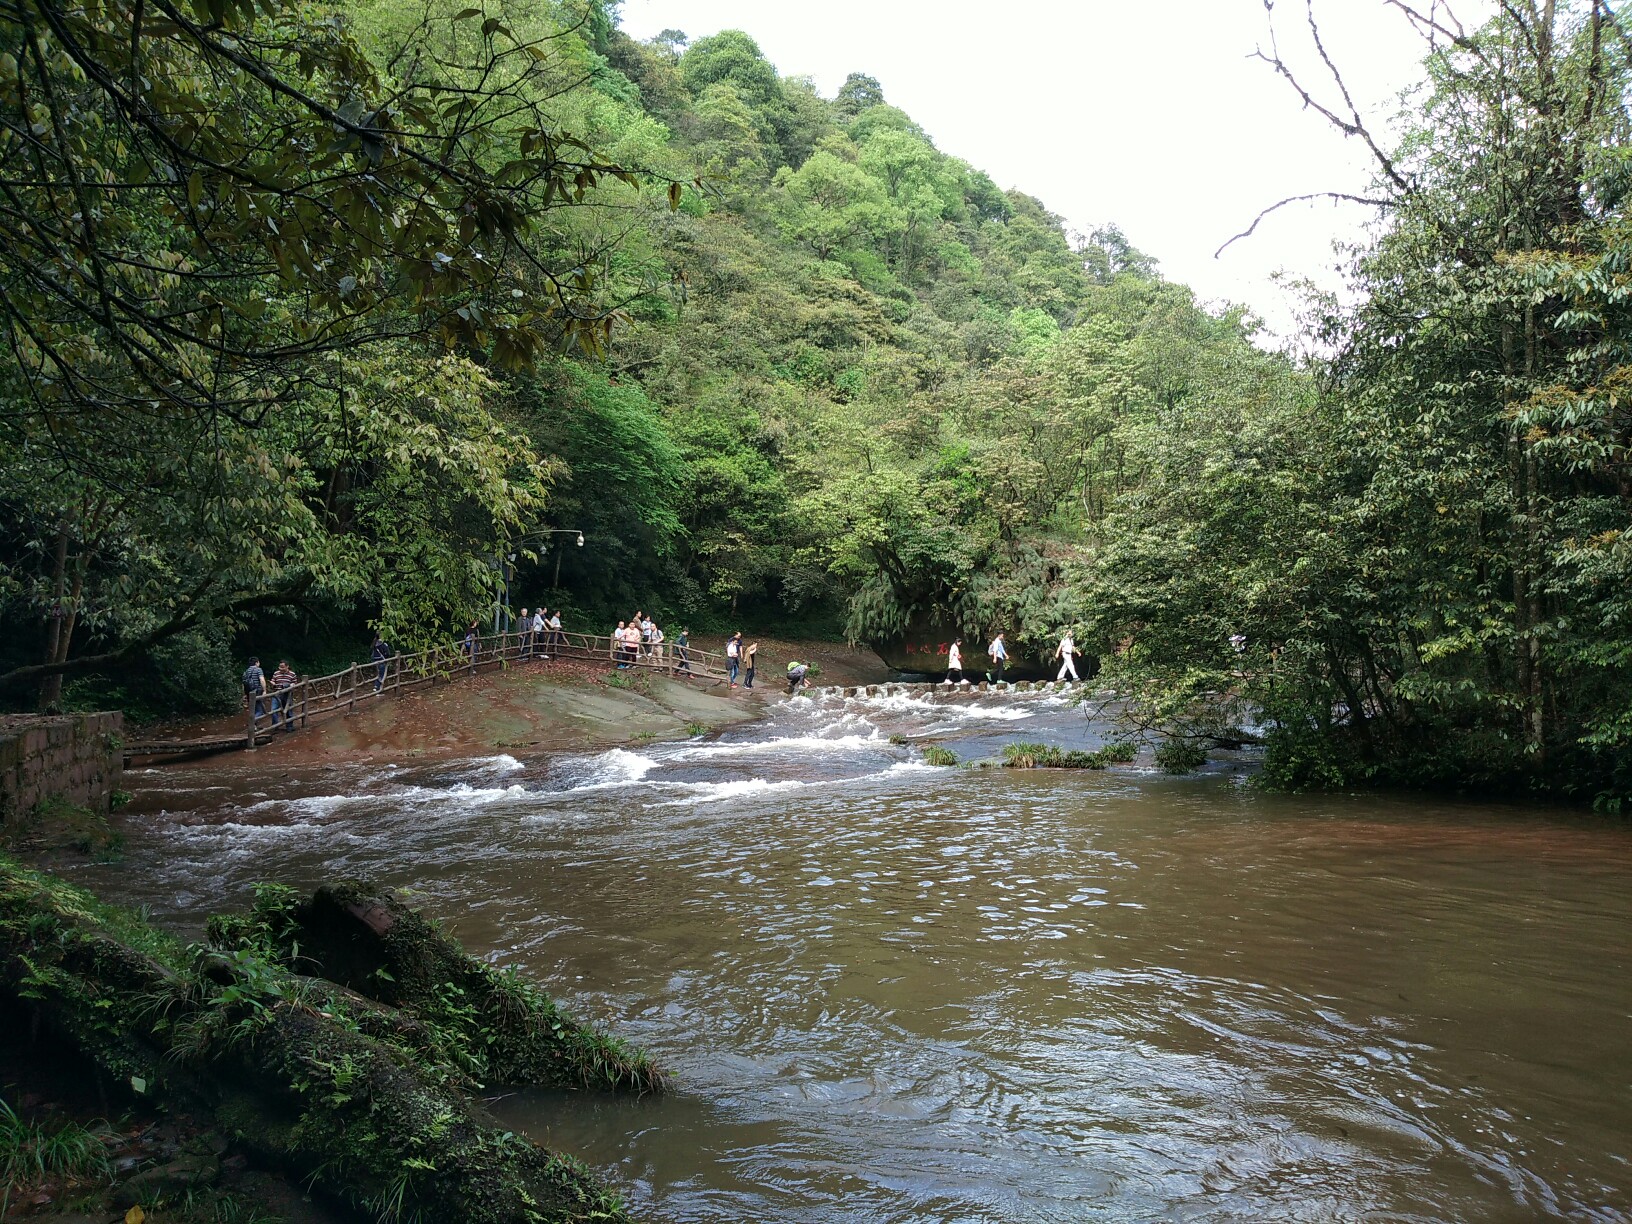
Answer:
(892, 992)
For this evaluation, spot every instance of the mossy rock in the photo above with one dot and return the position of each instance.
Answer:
(496, 1026)
(359, 1096)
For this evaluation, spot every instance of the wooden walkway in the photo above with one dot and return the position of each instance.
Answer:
(320, 698)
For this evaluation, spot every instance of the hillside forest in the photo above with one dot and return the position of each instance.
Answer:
(317, 316)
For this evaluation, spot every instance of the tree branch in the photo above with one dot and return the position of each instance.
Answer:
(1298, 199)
(21, 677)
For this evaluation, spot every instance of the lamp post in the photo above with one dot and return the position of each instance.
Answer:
(555, 582)
(506, 565)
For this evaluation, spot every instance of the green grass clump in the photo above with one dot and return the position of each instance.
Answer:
(32, 1153)
(935, 755)
(1046, 756)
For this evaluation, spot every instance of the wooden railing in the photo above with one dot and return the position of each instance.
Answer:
(321, 697)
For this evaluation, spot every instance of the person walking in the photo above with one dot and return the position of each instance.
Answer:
(541, 642)
(682, 648)
(999, 655)
(255, 688)
(748, 659)
(524, 633)
(381, 654)
(283, 683)
(657, 644)
(1067, 655)
(954, 663)
(473, 643)
(733, 656)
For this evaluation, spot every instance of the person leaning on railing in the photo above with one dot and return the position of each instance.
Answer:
(283, 681)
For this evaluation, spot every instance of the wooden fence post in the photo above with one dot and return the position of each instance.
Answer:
(351, 703)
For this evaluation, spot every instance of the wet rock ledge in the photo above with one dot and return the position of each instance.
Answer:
(341, 1038)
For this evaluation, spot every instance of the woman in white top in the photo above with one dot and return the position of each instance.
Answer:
(954, 663)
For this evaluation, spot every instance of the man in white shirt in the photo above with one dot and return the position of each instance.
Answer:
(1067, 655)
(539, 641)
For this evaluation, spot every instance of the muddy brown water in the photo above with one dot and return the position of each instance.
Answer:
(896, 993)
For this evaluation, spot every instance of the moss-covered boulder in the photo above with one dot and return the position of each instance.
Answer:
(495, 1025)
(358, 1091)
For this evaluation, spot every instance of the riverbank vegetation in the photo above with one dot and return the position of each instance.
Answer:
(1048, 756)
(340, 1037)
(318, 334)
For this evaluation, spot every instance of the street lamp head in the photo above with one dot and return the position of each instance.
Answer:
(580, 539)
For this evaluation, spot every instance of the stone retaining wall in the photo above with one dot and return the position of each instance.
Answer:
(75, 758)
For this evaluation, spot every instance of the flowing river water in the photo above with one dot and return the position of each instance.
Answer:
(891, 992)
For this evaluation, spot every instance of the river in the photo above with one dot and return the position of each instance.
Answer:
(891, 992)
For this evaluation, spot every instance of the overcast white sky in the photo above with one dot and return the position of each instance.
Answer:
(1151, 116)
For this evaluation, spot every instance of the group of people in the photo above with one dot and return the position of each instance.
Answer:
(998, 653)
(540, 633)
(270, 695)
(641, 639)
(740, 660)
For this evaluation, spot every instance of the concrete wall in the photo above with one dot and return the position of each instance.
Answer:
(76, 758)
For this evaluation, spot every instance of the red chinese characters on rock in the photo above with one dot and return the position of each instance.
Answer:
(927, 649)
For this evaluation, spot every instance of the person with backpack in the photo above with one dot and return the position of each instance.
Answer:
(381, 654)
(796, 676)
(255, 693)
(999, 655)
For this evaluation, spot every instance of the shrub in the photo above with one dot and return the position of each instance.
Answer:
(1180, 756)
(935, 755)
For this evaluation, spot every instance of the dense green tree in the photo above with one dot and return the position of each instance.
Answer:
(215, 213)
